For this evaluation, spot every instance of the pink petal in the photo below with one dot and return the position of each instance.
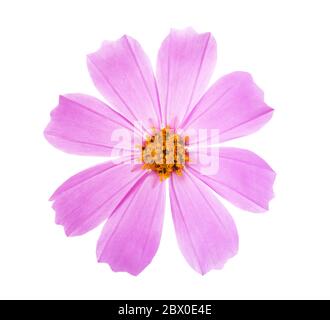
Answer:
(186, 61)
(234, 105)
(131, 236)
(122, 72)
(243, 178)
(88, 198)
(205, 231)
(84, 125)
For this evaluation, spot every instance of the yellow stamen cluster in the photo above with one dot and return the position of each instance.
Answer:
(165, 152)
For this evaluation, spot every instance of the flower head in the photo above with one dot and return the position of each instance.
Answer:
(165, 153)
(178, 119)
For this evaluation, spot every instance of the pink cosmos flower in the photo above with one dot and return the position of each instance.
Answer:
(130, 197)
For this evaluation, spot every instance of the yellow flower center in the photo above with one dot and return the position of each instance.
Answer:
(165, 152)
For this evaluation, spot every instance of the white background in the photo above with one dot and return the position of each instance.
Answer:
(284, 44)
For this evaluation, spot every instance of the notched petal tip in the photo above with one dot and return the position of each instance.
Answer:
(61, 224)
(232, 252)
(219, 266)
(272, 195)
(106, 43)
(189, 30)
(134, 273)
(265, 207)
